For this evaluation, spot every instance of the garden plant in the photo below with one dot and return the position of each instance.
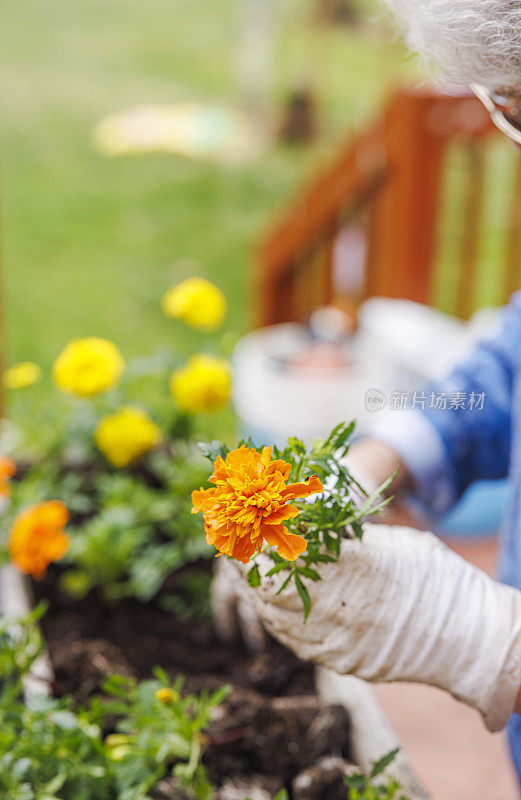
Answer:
(250, 508)
(119, 746)
(118, 459)
(129, 738)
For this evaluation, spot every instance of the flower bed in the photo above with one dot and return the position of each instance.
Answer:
(271, 733)
(271, 727)
(100, 519)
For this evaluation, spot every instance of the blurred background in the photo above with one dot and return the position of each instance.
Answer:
(79, 228)
(146, 142)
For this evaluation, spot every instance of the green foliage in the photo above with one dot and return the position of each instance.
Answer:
(129, 528)
(363, 787)
(211, 450)
(152, 734)
(140, 533)
(56, 751)
(254, 578)
(20, 646)
(322, 522)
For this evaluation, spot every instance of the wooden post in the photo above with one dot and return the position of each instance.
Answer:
(312, 219)
(395, 169)
(326, 290)
(402, 227)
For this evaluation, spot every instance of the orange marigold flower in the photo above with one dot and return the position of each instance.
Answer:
(7, 470)
(38, 537)
(249, 505)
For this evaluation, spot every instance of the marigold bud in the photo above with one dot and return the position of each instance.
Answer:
(167, 696)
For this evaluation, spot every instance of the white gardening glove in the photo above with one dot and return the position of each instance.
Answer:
(401, 606)
(232, 612)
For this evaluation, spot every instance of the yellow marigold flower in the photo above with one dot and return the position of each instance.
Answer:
(38, 537)
(88, 366)
(22, 375)
(197, 302)
(125, 436)
(249, 505)
(167, 696)
(7, 470)
(204, 384)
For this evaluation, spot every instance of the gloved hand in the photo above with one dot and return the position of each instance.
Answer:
(232, 613)
(401, 606)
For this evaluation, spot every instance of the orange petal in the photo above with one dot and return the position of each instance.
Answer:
(289, 545)
(218, 535)
(266, 455)
(223, 543)
(239, 459)
(311, 486)
(281, 514)
(201, 498)
(280, 466)
(244, 548)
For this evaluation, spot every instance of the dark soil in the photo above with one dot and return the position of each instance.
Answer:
(275, 737)
(91, 638)
(269, 731)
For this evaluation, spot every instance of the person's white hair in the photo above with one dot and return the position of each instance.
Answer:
(472, 41)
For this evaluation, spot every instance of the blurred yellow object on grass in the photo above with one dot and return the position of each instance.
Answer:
(195, 130)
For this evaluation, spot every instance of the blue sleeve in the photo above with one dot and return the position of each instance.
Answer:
(445, 449)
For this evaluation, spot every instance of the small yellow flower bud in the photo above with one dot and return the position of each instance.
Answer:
(167, 696)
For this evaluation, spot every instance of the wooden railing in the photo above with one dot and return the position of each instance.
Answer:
(389, 185)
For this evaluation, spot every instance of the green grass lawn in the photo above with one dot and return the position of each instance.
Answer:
(89, 243)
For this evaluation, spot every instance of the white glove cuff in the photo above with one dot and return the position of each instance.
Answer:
(501, 697)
